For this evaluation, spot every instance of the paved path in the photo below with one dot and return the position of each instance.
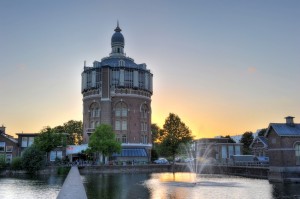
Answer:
(72, 187)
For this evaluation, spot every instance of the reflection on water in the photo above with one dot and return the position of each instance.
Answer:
(165, 185)
(116, 186)
(28, 187)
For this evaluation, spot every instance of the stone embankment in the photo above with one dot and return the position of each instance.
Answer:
(72, 187)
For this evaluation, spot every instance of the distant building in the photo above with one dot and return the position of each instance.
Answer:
(25, 140)
(284, 151)
(8, 146)
(259, 146)
(219, 149)
(117, 91)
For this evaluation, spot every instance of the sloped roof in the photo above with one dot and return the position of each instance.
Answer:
(8, 137)
(263, 139)
(284, 129)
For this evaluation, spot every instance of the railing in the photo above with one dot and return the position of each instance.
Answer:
(245, 164)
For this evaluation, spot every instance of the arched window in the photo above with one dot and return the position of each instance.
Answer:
(297, 153)
(94, 114)
(144, 139)
(144, 118)
(144, 111)
(121, 62)
(94, 110)
(121, 112)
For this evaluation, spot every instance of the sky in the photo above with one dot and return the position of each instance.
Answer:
(224, 67)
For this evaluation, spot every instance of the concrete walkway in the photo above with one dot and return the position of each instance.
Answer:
(72, 187)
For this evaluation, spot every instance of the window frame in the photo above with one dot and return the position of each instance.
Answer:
(2, 145)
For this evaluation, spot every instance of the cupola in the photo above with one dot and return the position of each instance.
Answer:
(117, 42)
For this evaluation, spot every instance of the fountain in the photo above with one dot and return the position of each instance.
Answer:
(197, 159)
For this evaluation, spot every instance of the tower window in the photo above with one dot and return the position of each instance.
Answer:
(124, 139)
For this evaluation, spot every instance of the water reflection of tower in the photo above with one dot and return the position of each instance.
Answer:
(117, 91)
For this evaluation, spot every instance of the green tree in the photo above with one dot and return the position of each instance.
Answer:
(247, 139)
(2, 162)
(49, 139)
(156, 133)
(175, 133)
(73, 129)
(103, 141)
(32, 159)
(16, 163)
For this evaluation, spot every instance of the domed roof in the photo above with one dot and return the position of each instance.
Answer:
(117, 38)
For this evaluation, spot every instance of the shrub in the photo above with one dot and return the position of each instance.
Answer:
(32, 159)
(63, 170)
(16, 163)
(2, 163)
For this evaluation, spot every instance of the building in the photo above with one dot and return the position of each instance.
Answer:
(117, 91)
(284, 151)
(259, 146)
(8, 146)
(220, 149)
(25, 140)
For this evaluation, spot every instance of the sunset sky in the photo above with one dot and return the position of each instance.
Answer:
(225, 67)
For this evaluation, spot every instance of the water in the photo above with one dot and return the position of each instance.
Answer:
(163, 186)
(26, 187)
(153, 186)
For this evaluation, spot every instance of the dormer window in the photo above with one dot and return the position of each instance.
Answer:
(121, 63)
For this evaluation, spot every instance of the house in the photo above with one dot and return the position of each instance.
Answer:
(259, 146)
(220, 149)
(8, 146)
(25, 140)
(284, 151)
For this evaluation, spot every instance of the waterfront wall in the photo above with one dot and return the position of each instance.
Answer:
(155, 168)
(253, 172)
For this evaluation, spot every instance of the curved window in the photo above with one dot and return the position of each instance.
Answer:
(297, 153)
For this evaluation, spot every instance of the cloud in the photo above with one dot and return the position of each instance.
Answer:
(251, 70)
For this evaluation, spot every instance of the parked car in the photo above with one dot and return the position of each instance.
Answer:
(161, 161)
(188, 160)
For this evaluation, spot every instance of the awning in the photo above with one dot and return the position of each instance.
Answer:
(133, 152)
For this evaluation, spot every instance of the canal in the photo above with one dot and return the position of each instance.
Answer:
(30, 187)
(147, 185)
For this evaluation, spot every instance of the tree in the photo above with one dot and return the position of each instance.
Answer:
(73, 129)
(32, 159)
(175, 133)
(247, 139)
(262, 132)
(49, 139)
(103, 141)
(230, 139)
(156, 133)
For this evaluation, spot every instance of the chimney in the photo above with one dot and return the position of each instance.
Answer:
(2, 129)
(289, 121)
